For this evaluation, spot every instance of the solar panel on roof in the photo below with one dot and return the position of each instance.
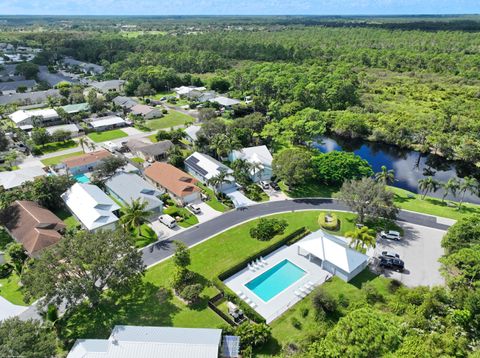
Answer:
(192, 162)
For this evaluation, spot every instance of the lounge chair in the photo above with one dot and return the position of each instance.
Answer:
(259, 263)
(311, 283)
(263, 261)
(251, 268)
(304, 290)
(255, 266)
(241, 295)
(300, 294)
(248, 300)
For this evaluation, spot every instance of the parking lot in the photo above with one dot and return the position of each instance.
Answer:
(420, 249)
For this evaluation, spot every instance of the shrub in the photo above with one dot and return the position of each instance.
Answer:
(267, 229)
(372, 295)
(253, 335)
(296, 323)
(163, 295)
(191, 293)
(394, 285)
(304, 312)
(323, 302)
(164, 111)
(5, 270)
(329, 221)
(343, 300)
(181, 278)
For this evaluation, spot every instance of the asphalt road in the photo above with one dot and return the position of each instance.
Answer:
(163, 249)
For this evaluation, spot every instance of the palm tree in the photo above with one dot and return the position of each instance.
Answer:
(224, 144)
(468, 184)
(385, 176)
(362, 238)
(428, 185)
(135, 215)
(255, 168)
(83, 142)
(222, 177)
(451, 186)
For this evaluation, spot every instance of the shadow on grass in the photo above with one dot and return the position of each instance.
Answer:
(145, 305)
(311, 189)
(364, 276)
(145, 236)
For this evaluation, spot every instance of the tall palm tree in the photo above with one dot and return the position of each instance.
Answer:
(224, 144)
(83, 143)
(467, 184)
(362, 238)
(219, 179)
(385, 176)
(451, 186)
(427, 185)
(135, 215)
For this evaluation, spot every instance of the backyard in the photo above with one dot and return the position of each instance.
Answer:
(98, 137)
(172, 119)
(147, 305)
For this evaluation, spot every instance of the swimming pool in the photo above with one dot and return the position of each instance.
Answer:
(81, 178)
(275, 280)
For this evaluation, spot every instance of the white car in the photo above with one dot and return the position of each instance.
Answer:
(194, 208)
(391, 235)
(265, 185)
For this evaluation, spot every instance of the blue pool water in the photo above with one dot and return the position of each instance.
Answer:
(81, 178)
(278, 278)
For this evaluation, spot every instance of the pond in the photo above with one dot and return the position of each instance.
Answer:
(409, 165)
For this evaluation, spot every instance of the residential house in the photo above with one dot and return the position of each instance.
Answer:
(26, 99)
(127, 187)
(106, 123)
(204, 168)
(86, 162)
(146, 112)
(184, 91)
(334, 254)
(225, 102)
(124, 102)
(260, 160)
(179, 185)
(33, 226)
(109, 86)
(7, 88)
(26, 120)
(93, 208)
(191, 133)
(85, 67)
(149, 342)
(16, 178)
(76, 108)
(8, 72)
(74, 130)
(148, 151)
(54, 79)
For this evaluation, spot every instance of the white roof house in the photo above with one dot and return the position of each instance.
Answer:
(15, 178)
(91, 206)
(337, 257)
(225, 101)
(191, 132)
(23, 117)
(185, 90)
(106, 122)
(149, 342)
(259, 156)
(71, 127)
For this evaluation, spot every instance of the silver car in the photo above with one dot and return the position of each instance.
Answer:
(391, 235)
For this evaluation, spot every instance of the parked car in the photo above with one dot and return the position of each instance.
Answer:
(167, 220)
(194, 208)
(390, 254)
(274, 186)
(391, 235)
(265, 185)
(392, 263)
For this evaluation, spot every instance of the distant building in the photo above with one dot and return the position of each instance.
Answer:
(86, 67)
(259, 157)
(15, 178)
(148, 151)
(86, 162)
(26, 99)
(225, 101)
(91, 206)
(179, 185)
(149, 342)
(109, 86)
(8, 88)
(184, 91)
(124, 102)
(146, 112)
(33, 226)
(204, 168)
(76, 108)
(35, 118)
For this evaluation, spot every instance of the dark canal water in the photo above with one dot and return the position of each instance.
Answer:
(409, 165)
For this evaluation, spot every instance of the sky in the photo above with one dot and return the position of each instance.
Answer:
(237, 7)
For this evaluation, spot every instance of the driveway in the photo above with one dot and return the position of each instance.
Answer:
(420, 249)
(208, 213)
(131, 131)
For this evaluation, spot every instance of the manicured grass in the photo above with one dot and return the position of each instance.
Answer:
(138, 160)
(213, 202)
(60, 158)
(57, 146)
(144, 236)
(433, 206)
(98, 137)
(143, 306)
(255, 193)
(174, 211)
(11, 290)
(172, 119)
(67, 218)
(309, 190)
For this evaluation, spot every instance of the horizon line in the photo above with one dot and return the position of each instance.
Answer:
(254, 15)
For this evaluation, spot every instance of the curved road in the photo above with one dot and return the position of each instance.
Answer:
(163, 249)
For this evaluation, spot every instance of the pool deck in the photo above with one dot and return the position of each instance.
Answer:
(280, 303)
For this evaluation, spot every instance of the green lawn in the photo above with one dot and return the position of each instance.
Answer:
(145, 236)
(144, 306)
(174, 211)
(309, 190)
(172, 119)
(98, 137)
(10, 290)
(138, 160)
(255, 193)
(67, 218)
(213, 202)
(60, 158)
(57, 146)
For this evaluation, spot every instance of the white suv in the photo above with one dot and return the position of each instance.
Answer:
(194, 208)
(391, 235)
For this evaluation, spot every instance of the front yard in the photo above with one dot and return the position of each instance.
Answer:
(172, 119)
(56, 146)
(58, 159)
(99, 137)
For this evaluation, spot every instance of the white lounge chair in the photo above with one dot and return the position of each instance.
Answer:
(300, 294)
(263, 261)
(259, 263)
(303, 290)
(311, 283)
(309, 286)
(248, 300)
(251, 268)
(255, 266)
(241, 295)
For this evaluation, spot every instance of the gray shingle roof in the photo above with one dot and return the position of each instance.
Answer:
(12, 86)
(29, 98)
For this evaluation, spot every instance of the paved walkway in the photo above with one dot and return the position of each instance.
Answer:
(163, 249)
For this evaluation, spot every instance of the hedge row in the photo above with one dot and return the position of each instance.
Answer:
(231, 296)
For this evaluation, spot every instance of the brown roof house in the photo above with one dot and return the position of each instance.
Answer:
(35, 227)
(149, 151)
(146, 112)
(178, 184)
(86, 162)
